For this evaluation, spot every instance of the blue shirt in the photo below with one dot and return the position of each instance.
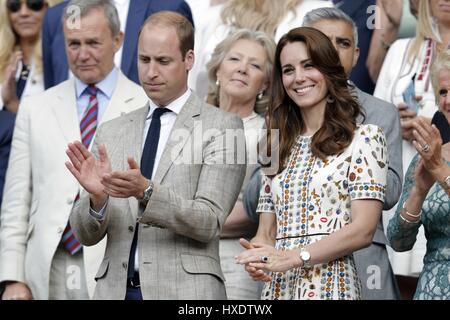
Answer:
(105, 90)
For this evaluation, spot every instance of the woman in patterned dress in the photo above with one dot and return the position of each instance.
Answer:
(425, 198)
(325, 199)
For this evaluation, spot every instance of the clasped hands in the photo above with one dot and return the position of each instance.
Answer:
(260, 258)
(98, 178)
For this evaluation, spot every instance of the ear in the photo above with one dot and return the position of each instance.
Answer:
(117, 41)
(356, 57)
(189, 59)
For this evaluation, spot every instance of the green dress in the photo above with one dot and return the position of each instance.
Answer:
(434, 280)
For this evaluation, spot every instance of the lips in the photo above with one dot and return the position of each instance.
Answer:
(304, 89)
(239, 81)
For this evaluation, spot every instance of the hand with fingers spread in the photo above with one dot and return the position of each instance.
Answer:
(125, 184)
(9, 95)
(89, 171)
(267, 258)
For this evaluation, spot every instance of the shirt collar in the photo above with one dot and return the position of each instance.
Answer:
(175, 106)
(106, 86)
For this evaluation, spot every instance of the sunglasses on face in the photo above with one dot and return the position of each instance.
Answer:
(34, 5)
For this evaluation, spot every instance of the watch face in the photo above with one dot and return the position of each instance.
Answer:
(305, 255)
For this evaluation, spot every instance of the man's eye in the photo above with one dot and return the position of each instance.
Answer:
(443, 93)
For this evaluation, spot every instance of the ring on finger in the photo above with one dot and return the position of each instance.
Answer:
(425, 148)
(264, 259)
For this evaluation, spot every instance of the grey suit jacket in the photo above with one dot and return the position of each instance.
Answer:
(179, 230)
(372, 263)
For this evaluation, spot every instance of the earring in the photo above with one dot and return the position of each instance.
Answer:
(260, 95)
(330, 99)
(217, 82)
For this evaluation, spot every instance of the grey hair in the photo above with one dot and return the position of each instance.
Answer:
(320, 14)
(441, 63)
(80, 8)
(221, 51)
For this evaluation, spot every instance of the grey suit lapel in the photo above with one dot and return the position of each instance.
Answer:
(133, 145)
(185, 122)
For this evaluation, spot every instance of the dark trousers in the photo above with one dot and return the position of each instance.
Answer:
(133, 294)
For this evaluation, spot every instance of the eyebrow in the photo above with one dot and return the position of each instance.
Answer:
(301, 62)
(344, 38)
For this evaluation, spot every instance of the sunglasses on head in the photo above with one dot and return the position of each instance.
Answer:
(15, 5)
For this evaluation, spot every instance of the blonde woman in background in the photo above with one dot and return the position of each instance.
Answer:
(272, 17)
(239, 75)
(406, 70)
(20, 50)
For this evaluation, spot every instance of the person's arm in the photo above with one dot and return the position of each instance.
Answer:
(238, 223)
(394, 146)
(47, 40)
(365, 209)
(402, 228)
(17, 210)
(89, 172)
(202, 217)
(390, 14)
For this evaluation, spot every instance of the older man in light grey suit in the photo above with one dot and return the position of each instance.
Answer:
(39, 191)
(180, 195)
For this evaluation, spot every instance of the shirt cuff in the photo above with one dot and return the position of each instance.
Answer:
(100, 216)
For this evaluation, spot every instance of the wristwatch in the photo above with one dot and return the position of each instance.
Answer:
(305, 256)
(446, 183)
(147, 194)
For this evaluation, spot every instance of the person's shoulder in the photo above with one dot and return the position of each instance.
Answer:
(368, 101)
(400, 45)
(56, 10)
(365, 132)
(219, 118)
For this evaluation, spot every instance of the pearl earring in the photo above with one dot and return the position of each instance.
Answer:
(260, 95)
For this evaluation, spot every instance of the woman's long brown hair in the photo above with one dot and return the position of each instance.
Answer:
(339, 123)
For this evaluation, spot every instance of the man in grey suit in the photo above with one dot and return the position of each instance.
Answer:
(372, 263)
(181, 193)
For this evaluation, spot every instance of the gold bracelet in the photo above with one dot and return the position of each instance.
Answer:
(409, 213)
(407, 221)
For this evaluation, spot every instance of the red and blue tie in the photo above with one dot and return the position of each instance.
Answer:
(88, 125)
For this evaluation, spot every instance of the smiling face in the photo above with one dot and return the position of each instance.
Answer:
(242, 73)
(444, 92)
(26, 23)
(91, 48)
(163, 70)
(303, 83)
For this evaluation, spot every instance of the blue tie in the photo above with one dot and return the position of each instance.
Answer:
(147, 164)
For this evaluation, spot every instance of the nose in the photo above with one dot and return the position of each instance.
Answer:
(24, 11)
(299, 75)
(242, 67)
(84, 53)
(152, 70)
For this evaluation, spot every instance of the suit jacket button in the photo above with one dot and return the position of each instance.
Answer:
(131, 228)
(125, 265)
(69, 201)
(60, 230)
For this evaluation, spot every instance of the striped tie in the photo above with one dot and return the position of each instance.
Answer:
(88, 125)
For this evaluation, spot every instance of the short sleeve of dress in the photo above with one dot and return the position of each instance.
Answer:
(265, 202)
(369, 164)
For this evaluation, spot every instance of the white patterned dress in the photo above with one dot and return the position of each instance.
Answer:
(312, 199)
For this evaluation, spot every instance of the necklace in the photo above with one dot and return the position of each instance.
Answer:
(25, 72)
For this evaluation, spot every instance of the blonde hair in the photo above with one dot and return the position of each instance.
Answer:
(221, 51)
(9, 41)
(261, 15)
(426, 29)
(442, 62)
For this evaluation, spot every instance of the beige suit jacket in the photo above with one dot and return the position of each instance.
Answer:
(179, 229)
(39, 190)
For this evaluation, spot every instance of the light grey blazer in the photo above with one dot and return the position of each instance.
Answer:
(179, 229)
(372, 263)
